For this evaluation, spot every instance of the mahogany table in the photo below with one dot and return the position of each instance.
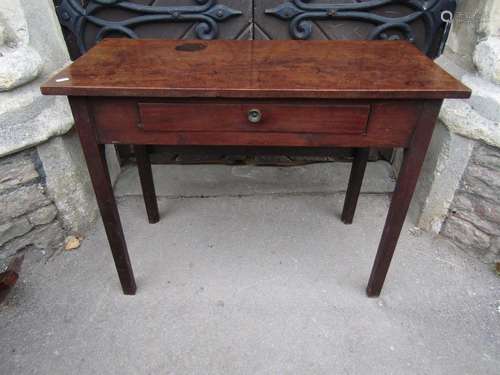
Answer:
(258, 94)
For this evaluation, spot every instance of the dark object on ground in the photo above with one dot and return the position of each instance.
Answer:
(9, 278)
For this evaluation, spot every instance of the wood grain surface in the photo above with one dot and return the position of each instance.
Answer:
(256, 69)
(234, 117)
(119, 121)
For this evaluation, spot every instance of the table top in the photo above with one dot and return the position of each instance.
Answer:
(256, 69)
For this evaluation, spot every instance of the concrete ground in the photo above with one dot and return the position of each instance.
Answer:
(245, 283)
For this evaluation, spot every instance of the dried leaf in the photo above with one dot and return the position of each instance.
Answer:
(72, 243)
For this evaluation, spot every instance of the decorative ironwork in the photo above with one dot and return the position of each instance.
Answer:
(75, 17)
(301, 15)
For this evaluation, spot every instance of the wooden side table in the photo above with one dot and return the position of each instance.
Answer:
(256, 94)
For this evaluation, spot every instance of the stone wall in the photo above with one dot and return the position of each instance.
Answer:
(44, 185)
(474, 220)
(460, 187)
(29, 217)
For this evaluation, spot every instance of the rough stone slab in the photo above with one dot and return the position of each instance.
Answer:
(485, 97)
(474, 221)
(487, 59)
(27, 118)
(489, 24)
(21, 201)
(23, 104)
(444, 166)
(466, 235)
(483, 214)
(53, 120)
(67, 181)
(461, 118)
(19, 67)
(487, 156)
(462, 37)
(3, 35)
(220, 180)
(483, 208)
(48, 238)
(495, 248)
(14, 21)
(482, 181)
(493, 256)
(260, 285)
(43, 215)
(13, 228)
(17, 170)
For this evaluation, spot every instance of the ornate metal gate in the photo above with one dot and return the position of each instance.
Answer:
(85, 22)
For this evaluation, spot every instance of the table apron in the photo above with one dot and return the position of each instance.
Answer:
(224, 122)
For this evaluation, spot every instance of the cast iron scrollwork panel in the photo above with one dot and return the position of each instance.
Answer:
(75, 17)
(302, 13)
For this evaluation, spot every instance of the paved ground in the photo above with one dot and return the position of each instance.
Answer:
(268, 284)
(222, 181)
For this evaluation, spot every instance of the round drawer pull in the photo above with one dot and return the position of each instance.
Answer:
(254, 116)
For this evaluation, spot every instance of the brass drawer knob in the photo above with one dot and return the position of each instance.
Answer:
(254, 116)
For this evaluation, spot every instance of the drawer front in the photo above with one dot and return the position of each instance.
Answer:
(390, 123)
(254, 117)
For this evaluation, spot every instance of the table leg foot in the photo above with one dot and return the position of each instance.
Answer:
(372, 293)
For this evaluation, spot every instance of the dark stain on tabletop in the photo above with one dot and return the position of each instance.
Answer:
(191, 47)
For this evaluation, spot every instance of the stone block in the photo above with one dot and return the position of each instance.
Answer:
(68, 182)
(46, 237)
(461, 118)
(493, 255)
(13, 229)
(22, 201)
(495, 247)
(33, 127)
(3, 35)
(462, 38)
(487, 156)
(466, 235)
(487, 59)
(17, 170)
(487, 210)
(485, 97)
(489, 25)
(481, 181)
(34, 48)
(19, 67)
(43, 215)
(442, 172)
(484, 214)
(474, 221)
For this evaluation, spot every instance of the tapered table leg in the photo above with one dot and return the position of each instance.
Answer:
(410, 169)
(355, 182)
(99, 174)
(147, 183)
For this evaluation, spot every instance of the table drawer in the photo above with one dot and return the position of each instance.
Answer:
(254, 117)
(295, 124)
